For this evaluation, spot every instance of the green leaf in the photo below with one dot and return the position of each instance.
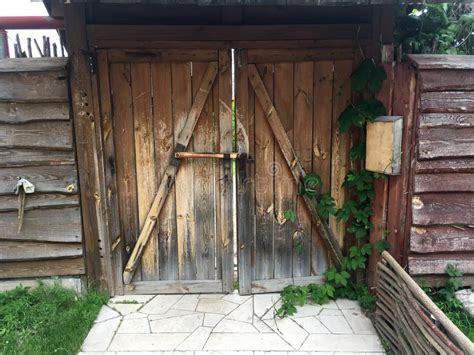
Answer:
(381, 245)
(366, 249)
(290, 215)
(376, 79)
(311, 182)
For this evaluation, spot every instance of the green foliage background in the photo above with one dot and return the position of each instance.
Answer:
(436, 29)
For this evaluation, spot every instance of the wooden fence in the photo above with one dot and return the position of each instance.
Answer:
(36, 143)
(408, 321)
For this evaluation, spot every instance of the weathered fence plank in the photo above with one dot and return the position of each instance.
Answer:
(447, 101)
(19, 251)
(443, 182)
(446, 80)
(43, 135)
(21, 112)
(446, 143)
(38, 200)
(451, 120)
(58, 267)
(34, 86)
(61, 178)
(21, 157)
(446, 208)
(433, 239)
(64, 225)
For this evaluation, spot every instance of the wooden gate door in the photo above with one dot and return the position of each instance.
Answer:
(155, 103)
(288, 102)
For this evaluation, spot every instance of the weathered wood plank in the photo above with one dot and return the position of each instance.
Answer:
(445, 166)
(291, 159)
(321, 149)
(443, 182)
(225, 223)
(446, 80)
(204, 140)
(303, 92)
(285, 192)
(34, 86)
(447, 101)
(167, 181)
(245, 125)
(123, 130)
(298, 55)
(264, 186)
(446, 208)
(340, 143)
(164, 143)
(451, 120)
(434, 61)
(59, 267)
(101, 33)
(62, 178)
(437, 263)
(277, 285)
(38, 200)
(21, 112)
(64, 225)
(117, 249)
(54, 135)
(445, 143)
(144, 159)
(19, 251)
(436, 239)
(182, 101)
(173, 287)
(8, 65)
(13, 157)
(159, 55)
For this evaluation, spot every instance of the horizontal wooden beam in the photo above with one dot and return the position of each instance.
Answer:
(247, 44)
(99, 34)
(174, 286)
(39, 200)
(277, 285)
(298, 54)
(162, 55)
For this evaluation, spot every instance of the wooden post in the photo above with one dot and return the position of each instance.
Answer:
(88, 145)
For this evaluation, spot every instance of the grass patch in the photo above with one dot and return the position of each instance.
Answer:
(454, 310)
(46, 319)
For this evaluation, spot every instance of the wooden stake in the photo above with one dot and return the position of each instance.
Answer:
(38, 47)
(30, 52)
(169, 176)
(292, 159)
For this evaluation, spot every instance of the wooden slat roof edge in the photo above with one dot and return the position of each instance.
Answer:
(442, 61)
(270, 2)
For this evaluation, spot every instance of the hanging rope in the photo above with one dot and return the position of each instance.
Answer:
(22, 188)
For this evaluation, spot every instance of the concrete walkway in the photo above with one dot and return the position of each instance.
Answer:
(223, 324)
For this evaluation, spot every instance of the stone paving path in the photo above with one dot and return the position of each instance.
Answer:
(227, 324)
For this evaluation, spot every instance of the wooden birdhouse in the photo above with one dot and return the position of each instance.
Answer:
(384, 145)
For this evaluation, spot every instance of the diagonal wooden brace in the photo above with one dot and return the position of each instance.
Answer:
(292, 159)
(170, 173)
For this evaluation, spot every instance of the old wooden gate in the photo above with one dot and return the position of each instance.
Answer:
(178, 237)
(147, 99)
(306, 89)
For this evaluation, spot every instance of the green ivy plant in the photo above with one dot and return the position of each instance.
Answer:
(356, 211)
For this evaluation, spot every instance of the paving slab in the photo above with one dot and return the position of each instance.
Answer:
(467, 299)
(215, 324)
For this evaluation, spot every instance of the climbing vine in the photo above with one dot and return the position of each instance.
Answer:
(355, 212)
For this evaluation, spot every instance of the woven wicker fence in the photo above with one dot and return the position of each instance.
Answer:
(408, 321)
